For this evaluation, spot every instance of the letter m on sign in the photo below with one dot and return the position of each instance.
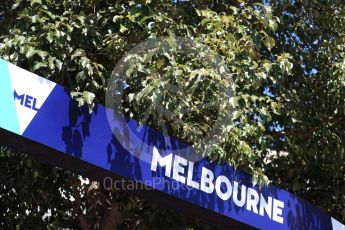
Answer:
(19, 97)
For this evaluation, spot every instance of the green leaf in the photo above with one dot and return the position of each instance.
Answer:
(58, 64)
(33, 2)
(117, 17)
(288, 67)
(123, 28)
(84, 61)
(236, 114)
(78, 53)
(269, 42)
(80, 76)
(131, 97)
(30, 52)
(234, 102)
(273, 25)
(50, 37)
(89, 97)
(39, 65)
(171, 41)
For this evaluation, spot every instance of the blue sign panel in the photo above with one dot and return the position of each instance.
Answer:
(43, 114)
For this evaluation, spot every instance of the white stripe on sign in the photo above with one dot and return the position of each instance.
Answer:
(337, 225)
(28, 97)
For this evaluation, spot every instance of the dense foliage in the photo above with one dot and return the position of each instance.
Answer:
(285, 67)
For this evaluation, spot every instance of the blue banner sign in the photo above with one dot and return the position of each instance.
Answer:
(39, 117)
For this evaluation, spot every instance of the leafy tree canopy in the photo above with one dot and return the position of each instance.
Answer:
(284, 63)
